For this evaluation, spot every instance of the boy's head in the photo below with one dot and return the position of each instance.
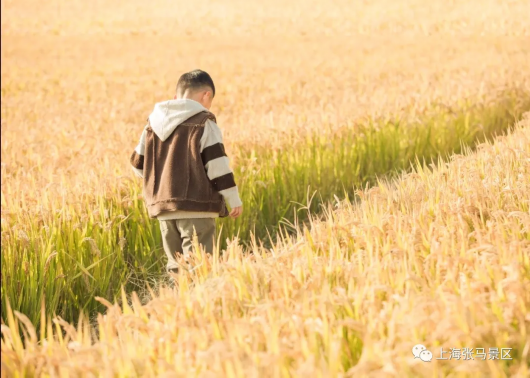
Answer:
(196, 85)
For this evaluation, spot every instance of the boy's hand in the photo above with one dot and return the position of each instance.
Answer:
(236, 211)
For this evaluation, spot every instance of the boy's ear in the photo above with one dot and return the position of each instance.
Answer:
(175, 97)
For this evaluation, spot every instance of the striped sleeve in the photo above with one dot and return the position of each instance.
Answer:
(137, 157)
(217, 164)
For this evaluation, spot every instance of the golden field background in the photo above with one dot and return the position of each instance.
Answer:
(435, 257)
(79, 79)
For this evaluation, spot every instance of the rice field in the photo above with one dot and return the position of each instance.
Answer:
(383, 206)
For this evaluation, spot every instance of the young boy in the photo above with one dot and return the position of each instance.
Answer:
(186, 175)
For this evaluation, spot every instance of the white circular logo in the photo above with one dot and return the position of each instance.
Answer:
(417, 349)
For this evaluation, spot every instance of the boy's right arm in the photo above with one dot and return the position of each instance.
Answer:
(218, 168)
(137, 157)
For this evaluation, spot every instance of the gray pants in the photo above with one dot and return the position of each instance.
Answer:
(177, 237)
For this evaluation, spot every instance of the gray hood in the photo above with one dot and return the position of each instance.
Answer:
(167, 115)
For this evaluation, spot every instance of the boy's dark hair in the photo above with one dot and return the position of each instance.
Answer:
(193, 80)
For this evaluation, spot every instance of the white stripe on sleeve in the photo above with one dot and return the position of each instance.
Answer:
(231, 196)
(140, 148)
(218, 167)
(212, 135)
(138, 172)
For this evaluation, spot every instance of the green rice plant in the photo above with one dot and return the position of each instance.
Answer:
(276, 183)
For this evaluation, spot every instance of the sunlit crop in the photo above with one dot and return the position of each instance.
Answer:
(345, 257)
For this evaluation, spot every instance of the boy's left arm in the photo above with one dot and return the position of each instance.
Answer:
(137, 157)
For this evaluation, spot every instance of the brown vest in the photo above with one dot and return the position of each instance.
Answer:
(174, 174)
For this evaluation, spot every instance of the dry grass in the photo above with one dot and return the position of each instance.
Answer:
(439, 258)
